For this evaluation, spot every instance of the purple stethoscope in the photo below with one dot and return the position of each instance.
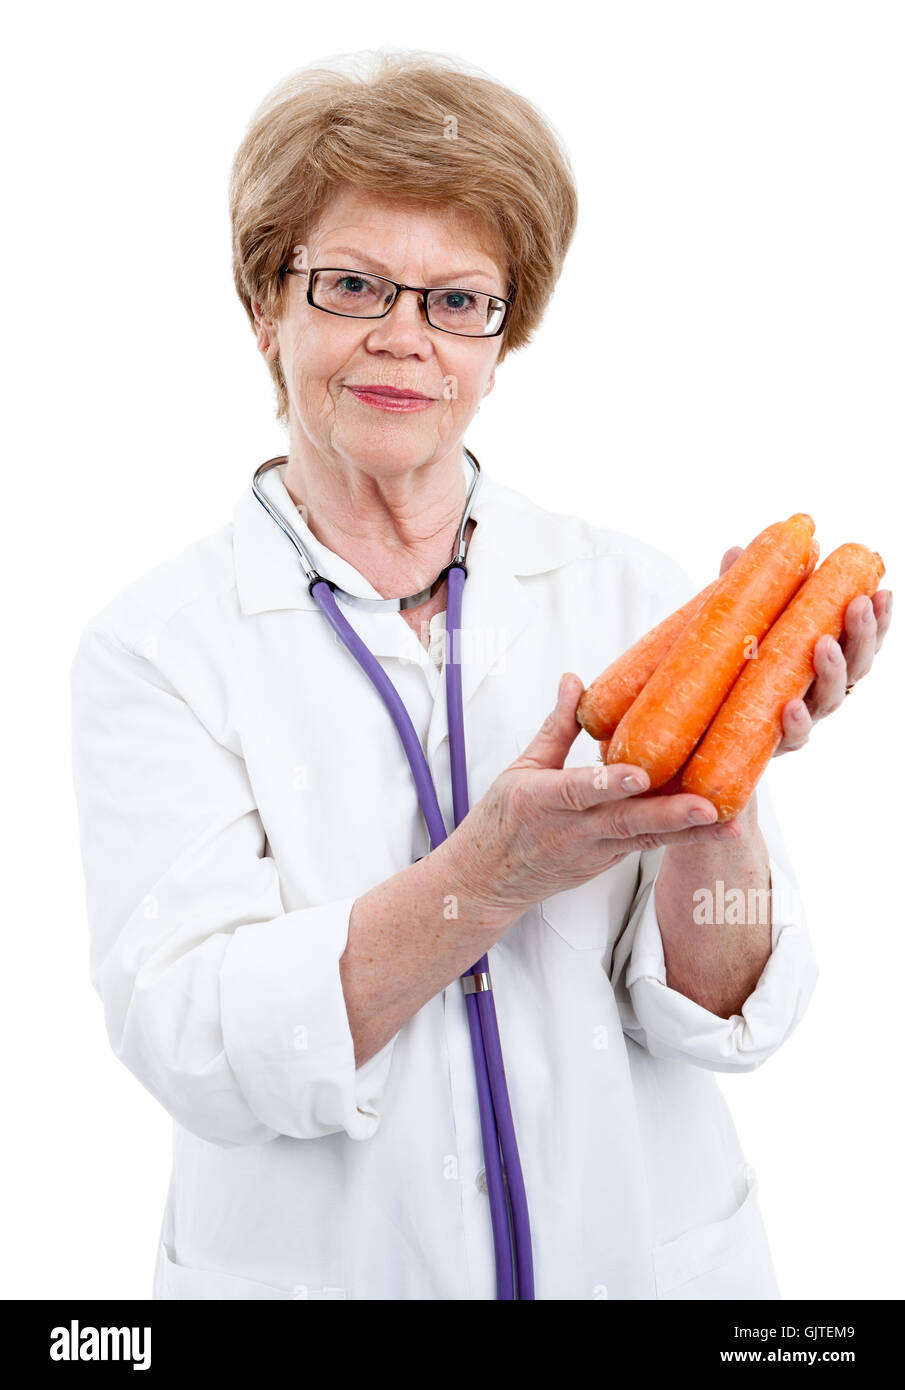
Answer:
(505, 1185)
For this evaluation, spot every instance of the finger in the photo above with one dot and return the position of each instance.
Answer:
(796, 726)
(582, 788)
(883, 610)
(550, 745)
(730, 558)
(827, 692)
(628, 779)
(633, 820)
(682, 813)
(724, 833)
(860, 637)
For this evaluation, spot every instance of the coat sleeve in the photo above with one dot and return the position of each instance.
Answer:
(669, 1024)
(674, 1027)
(227, 1008)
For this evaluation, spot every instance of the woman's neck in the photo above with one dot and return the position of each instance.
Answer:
(397, 531)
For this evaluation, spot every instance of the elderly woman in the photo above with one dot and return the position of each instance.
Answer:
(389, 1027)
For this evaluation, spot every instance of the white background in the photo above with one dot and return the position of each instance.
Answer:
(725, 348)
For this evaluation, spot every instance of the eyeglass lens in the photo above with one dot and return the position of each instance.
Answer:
(367, 296)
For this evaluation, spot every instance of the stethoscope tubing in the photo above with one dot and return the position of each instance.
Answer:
(502, 1166)
(510, 1221)
(481, 1002)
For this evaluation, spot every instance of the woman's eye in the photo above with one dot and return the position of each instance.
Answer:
(458, 299)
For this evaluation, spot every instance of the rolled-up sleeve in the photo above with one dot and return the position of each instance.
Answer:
(227, 1008)
(670, 1025)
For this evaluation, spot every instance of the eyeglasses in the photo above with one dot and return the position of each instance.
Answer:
(356, 294)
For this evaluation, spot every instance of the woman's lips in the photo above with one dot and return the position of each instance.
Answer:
(402, 405)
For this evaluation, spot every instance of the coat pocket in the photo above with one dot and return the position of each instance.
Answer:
(721, 1259)
(591, 917)
(176, 1281)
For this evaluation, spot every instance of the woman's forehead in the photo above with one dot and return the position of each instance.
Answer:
(358, 221)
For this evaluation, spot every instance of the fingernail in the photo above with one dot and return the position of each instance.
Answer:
(633, 784)
(834, 651)
(701, 817)
(868, 613)
(726, 832)
(562, 681)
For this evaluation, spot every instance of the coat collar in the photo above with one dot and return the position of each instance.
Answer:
(512, 538)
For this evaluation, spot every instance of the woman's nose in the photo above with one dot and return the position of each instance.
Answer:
(405, 315)
(408, 306)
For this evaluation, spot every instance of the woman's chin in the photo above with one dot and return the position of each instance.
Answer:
(400, 444)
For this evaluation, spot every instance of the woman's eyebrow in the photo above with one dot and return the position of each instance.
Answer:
(364, 260)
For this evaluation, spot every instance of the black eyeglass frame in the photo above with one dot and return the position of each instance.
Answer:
(421, 291)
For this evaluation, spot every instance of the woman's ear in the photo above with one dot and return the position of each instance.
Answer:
(265, 332)
(489, 387)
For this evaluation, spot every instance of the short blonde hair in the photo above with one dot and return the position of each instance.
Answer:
(422, 128)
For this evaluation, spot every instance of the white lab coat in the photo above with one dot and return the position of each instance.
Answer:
(240, 784)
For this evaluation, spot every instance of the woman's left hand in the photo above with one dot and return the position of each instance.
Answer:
(866, 624)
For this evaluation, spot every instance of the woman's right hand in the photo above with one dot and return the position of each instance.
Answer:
(541, 828)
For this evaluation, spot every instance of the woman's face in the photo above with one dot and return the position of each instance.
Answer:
(324, 355)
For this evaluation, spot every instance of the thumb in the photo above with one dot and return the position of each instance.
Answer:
(556, 735)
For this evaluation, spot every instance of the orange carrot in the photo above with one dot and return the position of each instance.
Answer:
(731, 757)
(608, 697)
(663, 724)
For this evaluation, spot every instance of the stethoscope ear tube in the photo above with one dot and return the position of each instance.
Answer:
(379, 605)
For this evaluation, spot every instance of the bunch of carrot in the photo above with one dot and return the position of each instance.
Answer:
(698, 701)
